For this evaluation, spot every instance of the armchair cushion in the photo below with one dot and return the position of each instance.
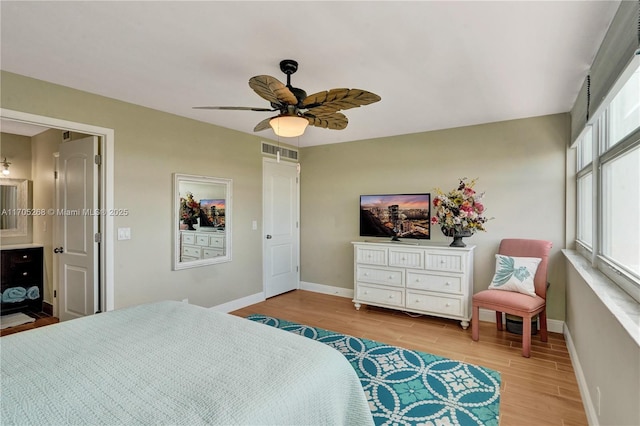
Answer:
(515, 274)
(509, 302)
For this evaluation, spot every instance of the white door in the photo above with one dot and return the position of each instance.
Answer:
(281, 227)
(76, 226)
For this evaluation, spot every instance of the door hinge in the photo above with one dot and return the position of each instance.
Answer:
(55, 174)
(297, 268)
(296, 179)
(55, 293)
(98, 160)
(297, 226)
(97, 237)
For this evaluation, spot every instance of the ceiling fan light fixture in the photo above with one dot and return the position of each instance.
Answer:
(288, 126)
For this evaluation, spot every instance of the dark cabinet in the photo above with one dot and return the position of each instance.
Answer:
(22, 280)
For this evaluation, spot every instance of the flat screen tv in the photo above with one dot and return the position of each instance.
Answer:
(396, 216)
(212, 213)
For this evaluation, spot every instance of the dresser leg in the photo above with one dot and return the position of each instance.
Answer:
(357, 305)
(464, 324)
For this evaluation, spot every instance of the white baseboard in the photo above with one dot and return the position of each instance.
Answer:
(240, 303)
(589, 408)
(327, 289)
(554, 326)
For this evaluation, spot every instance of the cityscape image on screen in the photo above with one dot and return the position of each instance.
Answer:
(395, 216)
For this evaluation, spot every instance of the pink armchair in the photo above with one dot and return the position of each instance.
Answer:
(514, 303)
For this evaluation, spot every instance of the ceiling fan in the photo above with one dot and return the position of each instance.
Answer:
(296, 109)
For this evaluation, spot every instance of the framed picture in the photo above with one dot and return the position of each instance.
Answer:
(212, 213)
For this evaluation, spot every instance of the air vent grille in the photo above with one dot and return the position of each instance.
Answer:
(286, 153)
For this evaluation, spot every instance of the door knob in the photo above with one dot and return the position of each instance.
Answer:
(58, 250)
(269, 237)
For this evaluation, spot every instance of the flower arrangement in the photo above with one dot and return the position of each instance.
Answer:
(189, 209)
(460, 210)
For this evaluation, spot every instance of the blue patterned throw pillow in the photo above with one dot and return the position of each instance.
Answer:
(515, 274)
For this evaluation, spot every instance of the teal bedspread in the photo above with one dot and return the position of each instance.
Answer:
(174, 363)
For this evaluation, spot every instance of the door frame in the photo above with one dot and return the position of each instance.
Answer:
(106, 187)
(264, 244)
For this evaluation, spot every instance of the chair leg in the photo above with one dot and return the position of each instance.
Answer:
(475, 326)
(543, 325)
(526, 337)
(499, 320)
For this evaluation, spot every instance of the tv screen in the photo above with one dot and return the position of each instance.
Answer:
(396, 216)
(212, 213)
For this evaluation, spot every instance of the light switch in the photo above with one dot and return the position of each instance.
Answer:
(124, 233)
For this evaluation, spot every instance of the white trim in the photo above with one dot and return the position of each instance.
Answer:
(239, 303)
(589, 409)
(554, 326)
(327, 289)
(107, 199)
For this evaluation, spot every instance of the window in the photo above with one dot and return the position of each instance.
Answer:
(608, 185)
(624, 111)
(585, 211)
(620, 205)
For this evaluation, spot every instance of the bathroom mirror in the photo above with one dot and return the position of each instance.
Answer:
(14, 194)
(201, 220)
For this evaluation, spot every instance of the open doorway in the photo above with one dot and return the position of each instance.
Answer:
(104, 224)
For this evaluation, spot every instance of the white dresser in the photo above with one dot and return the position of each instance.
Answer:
(427, 279)
(196, 245)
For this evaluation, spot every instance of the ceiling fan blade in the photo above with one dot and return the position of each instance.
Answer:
(235, 108)
(263, 125)
(335, 121)
(338, 99)
(271, 89)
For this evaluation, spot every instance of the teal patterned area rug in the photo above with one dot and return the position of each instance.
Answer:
(406, 387)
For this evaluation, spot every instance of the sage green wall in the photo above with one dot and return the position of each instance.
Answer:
(520, 164)
(149, 146)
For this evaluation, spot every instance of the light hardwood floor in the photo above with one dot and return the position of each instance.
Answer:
(541, 390)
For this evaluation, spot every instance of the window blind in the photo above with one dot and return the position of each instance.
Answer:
(620, 44)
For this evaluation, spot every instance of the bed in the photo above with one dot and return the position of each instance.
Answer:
(174, 363)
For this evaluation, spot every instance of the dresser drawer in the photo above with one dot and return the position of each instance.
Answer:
(384, 296)
(371, 255)
(202, 240)
(406, 258)
(385, 276)
(192, 251)
(434, 282)
(435, 304)
(208, 253)
(216, 241)
(439, 261)
(188, 238)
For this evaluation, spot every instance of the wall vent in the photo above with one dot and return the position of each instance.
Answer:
(285, 153)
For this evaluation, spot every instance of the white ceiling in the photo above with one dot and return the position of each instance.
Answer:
(436, 64)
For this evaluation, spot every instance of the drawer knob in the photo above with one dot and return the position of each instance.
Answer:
(404, 258)
(447, 283)
(366, 274)
(417, 300)
(417, 280)
(25, 256)
(447, 305)
(391, 296)
(366, 292)
(390, 277)
(24, 274)
(443, 261)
